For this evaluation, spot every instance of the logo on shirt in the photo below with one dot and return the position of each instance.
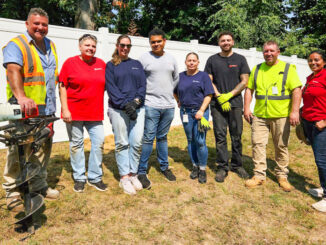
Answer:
(195, 81)
(230, 66)
(98, 69)
(134, 68)
(314, 81)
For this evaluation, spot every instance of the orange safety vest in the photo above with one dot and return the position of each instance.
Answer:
(32, 70)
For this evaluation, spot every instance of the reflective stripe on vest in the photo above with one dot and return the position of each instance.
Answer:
(273, 97)
(32, 71)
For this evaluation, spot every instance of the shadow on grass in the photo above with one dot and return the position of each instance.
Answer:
(299, 182)
(111, 164)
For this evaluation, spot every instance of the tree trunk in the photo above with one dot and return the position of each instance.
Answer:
(84, 15)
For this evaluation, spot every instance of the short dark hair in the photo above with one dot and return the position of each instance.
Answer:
(271, 42)
(320, 52)
(156, 32)
(37, 11)
(225, 33)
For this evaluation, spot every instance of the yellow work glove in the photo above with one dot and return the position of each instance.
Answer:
(203, 125)
(224, 98)
(226, 106)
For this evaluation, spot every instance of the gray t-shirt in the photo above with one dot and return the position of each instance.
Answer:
(161, 76)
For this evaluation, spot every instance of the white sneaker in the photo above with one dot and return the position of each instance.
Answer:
(135, 182)
(127, 187)
(50, 194)
(316, 192)
(320, 206)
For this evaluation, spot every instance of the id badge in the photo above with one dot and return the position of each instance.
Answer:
(185, 118)
(274, 90)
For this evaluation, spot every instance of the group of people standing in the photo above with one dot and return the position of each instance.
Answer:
(142, 95)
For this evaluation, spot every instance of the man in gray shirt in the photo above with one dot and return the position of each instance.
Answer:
(162, 76)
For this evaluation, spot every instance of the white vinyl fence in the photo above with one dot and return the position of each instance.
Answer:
(66, 40)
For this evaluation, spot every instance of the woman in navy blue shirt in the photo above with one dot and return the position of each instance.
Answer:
(126, 86)
(193, 93)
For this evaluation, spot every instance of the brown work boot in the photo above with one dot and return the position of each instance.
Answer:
(254, 182)
(284, 184)
(15, 204)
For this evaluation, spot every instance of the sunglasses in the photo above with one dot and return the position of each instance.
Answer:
(125, 45)
(86, 36)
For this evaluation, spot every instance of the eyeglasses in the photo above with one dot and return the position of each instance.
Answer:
(86, 36)
(125, 45)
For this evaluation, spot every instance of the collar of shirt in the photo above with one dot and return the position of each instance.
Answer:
(30, 39)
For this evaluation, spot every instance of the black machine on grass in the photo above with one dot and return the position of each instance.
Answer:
(37, 131)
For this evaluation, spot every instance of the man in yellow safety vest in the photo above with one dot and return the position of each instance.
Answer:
(277, 90)
(32, 73)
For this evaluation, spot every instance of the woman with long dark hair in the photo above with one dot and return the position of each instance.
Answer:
(126, 86)
(314, 119)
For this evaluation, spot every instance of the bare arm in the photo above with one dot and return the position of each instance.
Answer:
(177, 99)
(242, 85)
(247, 100)
(203, 107)
(296, 100)
(66, 115)
(17, 87)
(214, 87)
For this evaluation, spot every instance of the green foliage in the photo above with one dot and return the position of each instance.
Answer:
(298, 25)
(252, 22)
(181, 20)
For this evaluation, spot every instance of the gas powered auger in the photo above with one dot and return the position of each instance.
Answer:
(34, 130)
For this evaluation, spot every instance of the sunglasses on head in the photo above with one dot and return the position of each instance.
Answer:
(86, 36)
(125, 45)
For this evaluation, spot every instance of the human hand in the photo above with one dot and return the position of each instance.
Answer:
(199, 114)
(294, 118)
(226, 106)
(66, 116)
(248, 115)
(224, 98)
(27, 105)
(320, 125)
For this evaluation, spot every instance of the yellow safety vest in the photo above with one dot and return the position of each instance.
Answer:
(282, 96)
(32, 71)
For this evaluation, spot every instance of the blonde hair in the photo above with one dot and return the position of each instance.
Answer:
(116, 60)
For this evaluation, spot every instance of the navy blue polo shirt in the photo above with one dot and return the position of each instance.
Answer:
(192, 90)
(125, 82)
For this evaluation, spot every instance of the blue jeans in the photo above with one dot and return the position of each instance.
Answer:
(318, 143)
(75, 131)
(157, 124)
(128, 135)
(197, 148)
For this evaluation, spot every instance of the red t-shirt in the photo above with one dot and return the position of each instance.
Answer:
(314, 97)
(85, 84)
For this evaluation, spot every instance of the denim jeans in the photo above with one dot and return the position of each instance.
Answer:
(75, 131)
(197, 148)
(128, 135)
(157, 124)
(318, 143)
(222, 120)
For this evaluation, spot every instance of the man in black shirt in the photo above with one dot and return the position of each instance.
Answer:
(229, 73)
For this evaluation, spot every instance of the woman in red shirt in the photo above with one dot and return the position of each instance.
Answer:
(82, 85)
(314, 120)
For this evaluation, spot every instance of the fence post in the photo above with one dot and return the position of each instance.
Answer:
(252, 60)
(194, 45)
(103, 43)
(294, 60)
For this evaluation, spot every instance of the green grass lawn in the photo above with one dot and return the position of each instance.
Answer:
(184, 212)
